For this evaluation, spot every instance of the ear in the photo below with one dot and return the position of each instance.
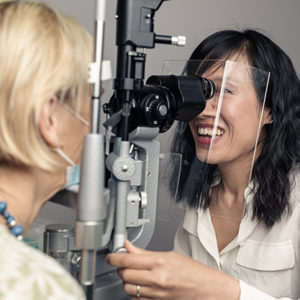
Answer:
(48, 122)
(267, 116)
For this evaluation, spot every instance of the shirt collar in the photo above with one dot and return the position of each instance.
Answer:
(247, 225)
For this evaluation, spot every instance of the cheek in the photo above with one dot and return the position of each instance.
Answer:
(243, 124)
(240, 115)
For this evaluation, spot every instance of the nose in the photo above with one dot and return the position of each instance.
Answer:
(212, 104)
(210, 110)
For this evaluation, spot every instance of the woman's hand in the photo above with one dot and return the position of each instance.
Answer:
(169, 275)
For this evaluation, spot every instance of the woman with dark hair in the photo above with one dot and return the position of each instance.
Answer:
(242, 216)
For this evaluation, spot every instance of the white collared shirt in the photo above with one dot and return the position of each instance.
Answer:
(266, 261)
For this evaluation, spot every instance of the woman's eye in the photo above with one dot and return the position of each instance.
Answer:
(227, 91)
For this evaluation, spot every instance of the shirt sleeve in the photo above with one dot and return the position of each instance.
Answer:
(249, 293)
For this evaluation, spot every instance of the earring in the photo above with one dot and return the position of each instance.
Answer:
(271, 121)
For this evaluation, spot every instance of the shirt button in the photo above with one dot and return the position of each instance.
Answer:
(242, 244)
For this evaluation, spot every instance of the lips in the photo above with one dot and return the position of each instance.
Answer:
(207, 135)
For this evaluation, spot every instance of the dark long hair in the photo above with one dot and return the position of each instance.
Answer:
(281, 148)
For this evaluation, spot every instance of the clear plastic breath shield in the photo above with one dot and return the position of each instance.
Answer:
(228, 132)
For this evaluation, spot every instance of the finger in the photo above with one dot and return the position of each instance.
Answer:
(142, 277)
(145, 292)
(132, 261)
(133, 249)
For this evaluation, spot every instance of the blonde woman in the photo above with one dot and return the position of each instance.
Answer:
(44, 102)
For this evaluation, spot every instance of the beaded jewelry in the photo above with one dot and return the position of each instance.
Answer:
(15, 229)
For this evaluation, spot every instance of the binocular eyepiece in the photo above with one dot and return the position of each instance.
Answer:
(164, 99)
(208, 87)
(167, 98)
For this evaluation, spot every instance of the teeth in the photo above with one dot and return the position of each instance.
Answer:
(209, 131)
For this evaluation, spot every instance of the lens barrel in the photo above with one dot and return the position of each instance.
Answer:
(208, 87)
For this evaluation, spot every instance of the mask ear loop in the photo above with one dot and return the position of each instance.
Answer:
(64, 156)
(58, 149)
(77, 115)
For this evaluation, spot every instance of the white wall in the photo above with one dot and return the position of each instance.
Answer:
(279, 19)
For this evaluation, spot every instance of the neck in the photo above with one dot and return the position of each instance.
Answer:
(234, 180)
(227, 198)
(25, 191)
(235, 177)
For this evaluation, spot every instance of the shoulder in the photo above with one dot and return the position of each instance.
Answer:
(27, 273)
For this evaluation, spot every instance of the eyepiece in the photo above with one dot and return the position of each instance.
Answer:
(208, 87)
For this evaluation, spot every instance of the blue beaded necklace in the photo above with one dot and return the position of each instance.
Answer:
(15, 229)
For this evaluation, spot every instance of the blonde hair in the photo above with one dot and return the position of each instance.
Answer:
(43, 53)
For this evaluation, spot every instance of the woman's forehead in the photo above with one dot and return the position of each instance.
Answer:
(233, 73)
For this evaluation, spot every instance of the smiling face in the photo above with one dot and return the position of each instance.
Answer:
(227, 129)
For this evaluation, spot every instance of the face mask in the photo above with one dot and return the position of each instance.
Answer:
(72, 174)
(72, 179)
